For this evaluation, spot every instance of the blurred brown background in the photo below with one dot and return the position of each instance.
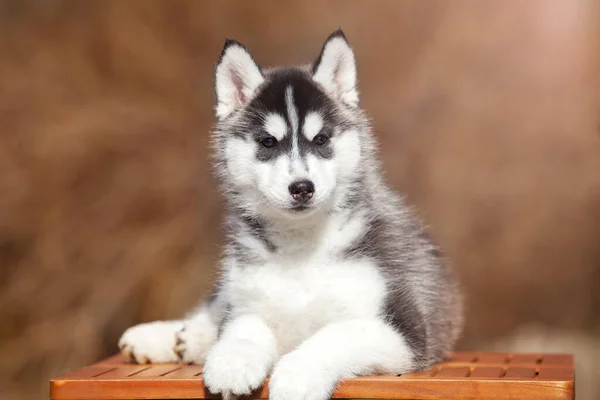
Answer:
(487, 112)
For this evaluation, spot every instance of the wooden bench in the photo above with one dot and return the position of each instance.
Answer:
(463, 376)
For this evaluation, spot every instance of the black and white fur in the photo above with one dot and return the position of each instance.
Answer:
(344, 281)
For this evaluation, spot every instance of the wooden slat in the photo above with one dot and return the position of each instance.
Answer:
(487, 372)
(157, 371)
(520, 372)
(186, 371)
(463, 357)
(524, 359)
(417, 375)
(492, 358)
(122, 371)
(500, 377)
(556, 374)
(457, 389)
(453, 372)
(116, 359)
(557, 359)
(87, 372)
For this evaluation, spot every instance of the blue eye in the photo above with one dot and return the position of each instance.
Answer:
(320, 140)
(268, 142)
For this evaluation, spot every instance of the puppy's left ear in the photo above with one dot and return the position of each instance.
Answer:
(335, 69)
(236, 78)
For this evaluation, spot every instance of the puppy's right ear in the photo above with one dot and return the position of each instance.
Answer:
(335, 69)
(236, 78)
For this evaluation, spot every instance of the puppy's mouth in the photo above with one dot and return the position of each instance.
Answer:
(299, 208)
(299, 211)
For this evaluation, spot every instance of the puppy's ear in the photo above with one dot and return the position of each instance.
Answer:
(236, 78)
(335, 69)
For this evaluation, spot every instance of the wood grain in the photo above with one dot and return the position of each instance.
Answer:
(463, 376)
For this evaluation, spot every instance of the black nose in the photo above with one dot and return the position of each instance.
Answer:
(302, 191)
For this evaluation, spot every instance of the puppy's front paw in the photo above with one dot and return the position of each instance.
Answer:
(150, 343)
(235, 368)
(294, 378)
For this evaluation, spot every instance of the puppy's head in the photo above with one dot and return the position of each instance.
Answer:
(288, 140)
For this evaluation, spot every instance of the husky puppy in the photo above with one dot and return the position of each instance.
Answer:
(327, 273)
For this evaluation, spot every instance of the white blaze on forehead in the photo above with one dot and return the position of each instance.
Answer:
(292, 113)
(313, 123)
(275, 126)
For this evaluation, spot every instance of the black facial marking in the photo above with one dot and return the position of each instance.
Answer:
(320, 139)
(270, 153)
(269, 142)
(307, 97)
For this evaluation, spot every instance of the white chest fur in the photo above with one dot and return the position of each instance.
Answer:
(306, 283)
(296, 300)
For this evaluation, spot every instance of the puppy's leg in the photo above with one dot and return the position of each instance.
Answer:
(337, 351)
(242, 358)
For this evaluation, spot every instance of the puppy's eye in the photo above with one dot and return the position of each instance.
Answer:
(320, 139)
(268, 142)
